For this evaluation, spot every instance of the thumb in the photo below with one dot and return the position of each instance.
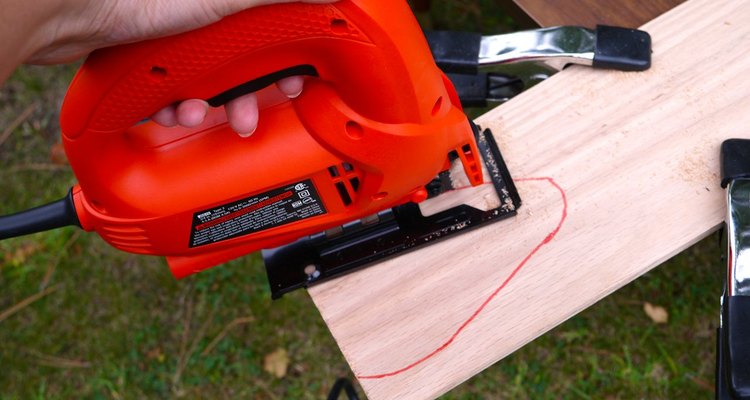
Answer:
(228, 7)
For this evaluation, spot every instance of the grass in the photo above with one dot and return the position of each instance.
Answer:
(104, 324)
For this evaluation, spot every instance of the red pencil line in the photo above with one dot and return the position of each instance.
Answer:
(494, 294)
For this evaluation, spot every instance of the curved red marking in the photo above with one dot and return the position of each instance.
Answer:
(494, 294)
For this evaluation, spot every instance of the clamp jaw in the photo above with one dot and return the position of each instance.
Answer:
(733, 344)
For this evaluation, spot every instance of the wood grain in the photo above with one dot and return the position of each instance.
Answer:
(637, 157)
(629, 13)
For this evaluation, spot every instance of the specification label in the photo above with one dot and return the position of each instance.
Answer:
(268, 210)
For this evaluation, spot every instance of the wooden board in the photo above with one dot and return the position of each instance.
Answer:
(618, 172)
(630, 13)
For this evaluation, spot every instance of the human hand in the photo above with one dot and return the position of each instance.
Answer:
(242, 112)
(86, 25)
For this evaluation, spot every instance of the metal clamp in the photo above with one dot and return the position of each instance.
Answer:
(555, 47)
(461, 55)
(738, 237)
(733, 339)
(605, 47)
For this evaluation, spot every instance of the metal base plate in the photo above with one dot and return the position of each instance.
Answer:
(320, 257)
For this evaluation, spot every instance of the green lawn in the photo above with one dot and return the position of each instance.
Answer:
(105, 324)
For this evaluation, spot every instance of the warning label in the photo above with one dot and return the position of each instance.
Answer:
(253, 214)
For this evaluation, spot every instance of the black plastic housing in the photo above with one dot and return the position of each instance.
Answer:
(475, 90)
(733, 365)
(455, 52)
(622, 49)
(735, 160)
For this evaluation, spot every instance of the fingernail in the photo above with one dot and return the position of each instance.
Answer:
(248, 134)
(294, 96)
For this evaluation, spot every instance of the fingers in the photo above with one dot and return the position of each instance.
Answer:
(242, 114)
(227, 7)
(191, 113)
(292, 86)
(167, 116)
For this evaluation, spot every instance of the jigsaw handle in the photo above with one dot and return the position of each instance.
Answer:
(367, 62)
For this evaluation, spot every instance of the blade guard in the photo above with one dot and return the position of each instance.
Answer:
(379, 111)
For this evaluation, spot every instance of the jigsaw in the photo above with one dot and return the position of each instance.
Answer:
(365, 164)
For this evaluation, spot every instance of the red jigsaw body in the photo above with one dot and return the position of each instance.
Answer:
(368, 133)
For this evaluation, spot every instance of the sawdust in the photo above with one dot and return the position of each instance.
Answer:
(700, 167)
(481, 197)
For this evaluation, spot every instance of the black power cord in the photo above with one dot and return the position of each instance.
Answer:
(49, 216)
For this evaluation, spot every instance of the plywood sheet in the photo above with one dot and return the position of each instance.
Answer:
(629, 13)
(618, 172)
